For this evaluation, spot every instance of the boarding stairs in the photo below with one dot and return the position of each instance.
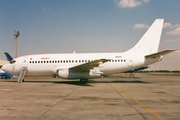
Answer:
(21, 76)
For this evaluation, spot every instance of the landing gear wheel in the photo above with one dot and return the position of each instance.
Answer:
(84, 80)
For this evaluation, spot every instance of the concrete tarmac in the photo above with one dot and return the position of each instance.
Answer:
(117, 97)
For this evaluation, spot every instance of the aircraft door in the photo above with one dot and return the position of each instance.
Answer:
(25, 63)
(130, 63)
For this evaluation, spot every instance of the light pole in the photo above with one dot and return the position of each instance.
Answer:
(16, 34)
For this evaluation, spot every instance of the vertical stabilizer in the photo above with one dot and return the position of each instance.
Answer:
(8, 57)
(149, 43)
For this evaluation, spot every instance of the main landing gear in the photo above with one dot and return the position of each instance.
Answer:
(84, 80)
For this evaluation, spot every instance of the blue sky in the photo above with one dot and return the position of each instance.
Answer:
(64, 26)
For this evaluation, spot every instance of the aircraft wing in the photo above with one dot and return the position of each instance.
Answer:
(90, 65)
(159, 54)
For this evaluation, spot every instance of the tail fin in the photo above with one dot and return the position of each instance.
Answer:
(8, 57)
(149, 43)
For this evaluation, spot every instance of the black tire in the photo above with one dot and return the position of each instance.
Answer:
(84, 80)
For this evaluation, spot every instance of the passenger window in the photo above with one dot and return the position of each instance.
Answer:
(124, 60)
(32, 61)
(29, 61)
(79, 60)
(52, 61)
(55, 61)
(47, 61)
(35, 61)
(41, 61)
(38, 61)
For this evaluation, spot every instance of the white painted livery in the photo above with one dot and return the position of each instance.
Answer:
(84, 66)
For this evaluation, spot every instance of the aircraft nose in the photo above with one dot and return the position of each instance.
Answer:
(6, 68)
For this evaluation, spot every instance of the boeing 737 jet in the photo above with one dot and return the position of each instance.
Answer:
(85, 66)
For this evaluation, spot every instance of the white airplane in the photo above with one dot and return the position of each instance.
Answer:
(85, 66)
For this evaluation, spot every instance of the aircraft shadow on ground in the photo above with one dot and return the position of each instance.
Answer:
(55, 82)
(78, 83)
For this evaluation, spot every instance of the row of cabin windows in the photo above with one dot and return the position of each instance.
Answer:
(61, 61)
(72, 61)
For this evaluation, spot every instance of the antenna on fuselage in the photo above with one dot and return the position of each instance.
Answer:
(16, 34)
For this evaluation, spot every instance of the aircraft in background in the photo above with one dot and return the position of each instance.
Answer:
(5, 75)
(135, 70)
(8, 57)
(2, 73)
(85, 66)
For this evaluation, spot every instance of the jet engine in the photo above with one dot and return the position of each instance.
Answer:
(70, 74)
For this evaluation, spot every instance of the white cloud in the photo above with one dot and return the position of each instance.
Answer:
(172, 40)
(174, 32)
(175, 26)
(166, 24)
(141, 26)
(129, 3)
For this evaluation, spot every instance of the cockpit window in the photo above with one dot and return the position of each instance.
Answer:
(12, 61)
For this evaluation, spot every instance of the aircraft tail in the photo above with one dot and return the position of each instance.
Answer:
(8, 57)
(149, 43)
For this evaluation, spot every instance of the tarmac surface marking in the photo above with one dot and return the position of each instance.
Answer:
(151, 111)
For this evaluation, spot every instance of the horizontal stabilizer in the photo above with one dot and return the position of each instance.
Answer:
(159, 54)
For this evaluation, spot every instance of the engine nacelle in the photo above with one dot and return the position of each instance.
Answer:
(63, 73)
(68, 74)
